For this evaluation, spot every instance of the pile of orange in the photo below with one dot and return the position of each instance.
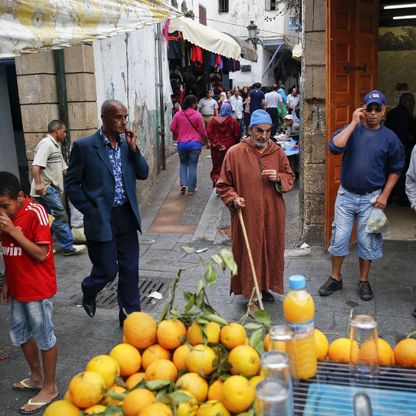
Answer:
(167, 369)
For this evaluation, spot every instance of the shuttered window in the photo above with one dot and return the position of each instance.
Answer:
(223, 6)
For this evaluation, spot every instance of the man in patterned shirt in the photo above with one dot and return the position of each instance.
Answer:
(101, 183)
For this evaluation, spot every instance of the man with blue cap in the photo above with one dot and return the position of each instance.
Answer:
(373, 158)
(253, 177)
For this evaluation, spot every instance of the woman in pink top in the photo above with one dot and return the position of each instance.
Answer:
(188, 130)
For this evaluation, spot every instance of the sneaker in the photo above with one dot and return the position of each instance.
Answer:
(330, 286)
(366, 293)
(74, 250)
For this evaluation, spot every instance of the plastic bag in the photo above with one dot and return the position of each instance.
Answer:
(377, 222)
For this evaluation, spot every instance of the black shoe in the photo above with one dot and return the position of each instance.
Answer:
(330, 286)
(89, 306)
(267, 296)
(121, 317)
(365, 290)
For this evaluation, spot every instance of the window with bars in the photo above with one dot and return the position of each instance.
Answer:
(271, 5)
(223, 6)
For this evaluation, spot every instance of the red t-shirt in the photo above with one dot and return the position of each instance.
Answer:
(28, 279)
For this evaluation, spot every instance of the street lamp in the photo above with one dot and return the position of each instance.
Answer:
(252, 34)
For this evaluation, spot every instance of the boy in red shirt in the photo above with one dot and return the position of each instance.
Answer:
(29, 284)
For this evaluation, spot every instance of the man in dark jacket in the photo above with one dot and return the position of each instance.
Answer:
(101, 183)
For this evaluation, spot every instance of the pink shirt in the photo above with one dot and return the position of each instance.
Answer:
(183, 130)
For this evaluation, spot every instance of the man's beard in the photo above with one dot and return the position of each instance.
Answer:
(261, 144)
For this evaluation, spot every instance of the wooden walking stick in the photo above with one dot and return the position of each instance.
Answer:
(250, 258)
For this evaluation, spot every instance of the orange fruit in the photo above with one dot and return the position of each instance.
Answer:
(189, 407)
(93, 410)
(212, 331)
(154, 353)
(238, 394)
(405, 353)
(136, 400)
(106, 366)
(244, 360)
(212, 408)
(86, 389)
(134, 379)
(266, 342)
(340, 350)
(322, 345)
(194, 384)
(215, 390)
(179, 356)
(140, 330)
(254, 381)
(128, 358)
(62, 408)
(232, 335)
(201, 360)
(171, 333)
(156, 409)
(385, 353)
(161, 370)
(114, 389)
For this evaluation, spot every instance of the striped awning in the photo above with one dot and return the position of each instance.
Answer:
(33, 25)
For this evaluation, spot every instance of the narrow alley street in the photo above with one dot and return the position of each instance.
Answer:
(173, 226)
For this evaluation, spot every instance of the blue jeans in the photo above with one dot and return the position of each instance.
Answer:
(32, 320)
(52, 201)
(348, 207)
(188, 168)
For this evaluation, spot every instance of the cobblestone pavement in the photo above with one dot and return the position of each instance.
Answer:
(172, 221)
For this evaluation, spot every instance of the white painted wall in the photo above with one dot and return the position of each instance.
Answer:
(126, 69)
(236, 22)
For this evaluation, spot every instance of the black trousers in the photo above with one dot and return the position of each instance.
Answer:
(274, 114)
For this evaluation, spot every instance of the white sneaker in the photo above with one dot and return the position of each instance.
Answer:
(76, 249)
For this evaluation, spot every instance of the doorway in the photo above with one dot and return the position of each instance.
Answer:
(12, 143)
(396, 58)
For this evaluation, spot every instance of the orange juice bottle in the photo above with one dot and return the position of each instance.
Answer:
(299, 311)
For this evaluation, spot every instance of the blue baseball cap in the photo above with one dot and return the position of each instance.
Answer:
(374, 96)
(260, 117)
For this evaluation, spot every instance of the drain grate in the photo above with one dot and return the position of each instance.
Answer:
(107, 298)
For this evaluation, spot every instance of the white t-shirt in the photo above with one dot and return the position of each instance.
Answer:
(48, 156)
(292, 102)
(207, 106)
(237, 105)
(273, 99)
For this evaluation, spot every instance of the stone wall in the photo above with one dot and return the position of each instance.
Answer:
(38, 96)
(313, 141)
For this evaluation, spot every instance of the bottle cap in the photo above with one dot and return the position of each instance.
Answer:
(297, 281)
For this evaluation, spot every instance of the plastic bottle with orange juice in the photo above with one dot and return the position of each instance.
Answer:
(299, 311)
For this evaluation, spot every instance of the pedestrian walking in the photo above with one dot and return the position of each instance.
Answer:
(256, 98)
(207, 106)
(373, 158)
(246, 105)
(292, 101)
(188, 130)
(274, 101)
(101, 183)
(223, 132)
(48, 170)
(281, 91)
(411, 185)
(236, 102)
(254, 175)
(29, 285)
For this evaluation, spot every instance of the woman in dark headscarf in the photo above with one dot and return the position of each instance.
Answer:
(223, 132)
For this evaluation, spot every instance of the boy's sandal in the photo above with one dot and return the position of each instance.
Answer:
(39, 406)
(24, 385)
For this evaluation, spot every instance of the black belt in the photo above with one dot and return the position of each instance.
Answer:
(361, 191)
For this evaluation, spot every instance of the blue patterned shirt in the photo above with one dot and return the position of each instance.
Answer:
(114, 154)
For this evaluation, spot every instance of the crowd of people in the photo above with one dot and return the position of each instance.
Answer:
(250, 174)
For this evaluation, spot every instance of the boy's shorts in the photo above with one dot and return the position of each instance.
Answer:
(32, 320)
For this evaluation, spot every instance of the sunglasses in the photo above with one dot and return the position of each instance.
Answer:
(376, 108)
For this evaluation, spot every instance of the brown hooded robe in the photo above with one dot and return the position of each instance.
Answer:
(264, 213)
